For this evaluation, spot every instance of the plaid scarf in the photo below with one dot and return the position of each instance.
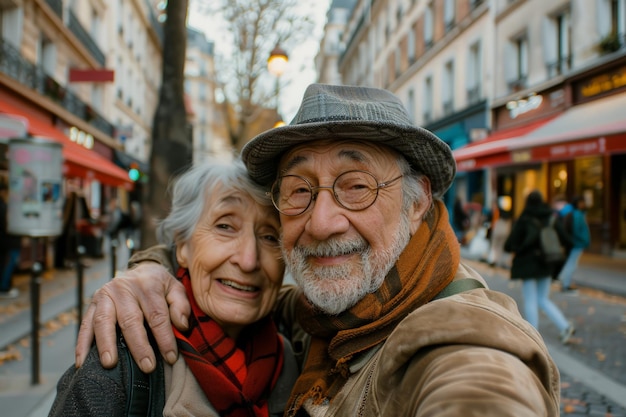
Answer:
(236, 376)
(425, 267)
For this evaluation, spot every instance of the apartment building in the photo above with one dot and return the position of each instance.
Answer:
(529, 94)
(210, 136)
(84, 74)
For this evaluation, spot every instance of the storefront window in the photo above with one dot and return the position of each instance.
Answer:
(590, 185)
(558, 179)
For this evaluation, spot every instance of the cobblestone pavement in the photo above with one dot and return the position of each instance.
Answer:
(599, 342)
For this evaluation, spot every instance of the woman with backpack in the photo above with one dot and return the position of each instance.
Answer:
(531, 265)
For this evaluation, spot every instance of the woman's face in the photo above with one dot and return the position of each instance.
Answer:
(234, 259)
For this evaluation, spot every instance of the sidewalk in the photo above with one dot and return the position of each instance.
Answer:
(20, 398)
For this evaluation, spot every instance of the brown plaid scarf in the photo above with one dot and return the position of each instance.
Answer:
(425, 267)
(236, 376)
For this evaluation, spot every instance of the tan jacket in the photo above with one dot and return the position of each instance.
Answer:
(470, 354)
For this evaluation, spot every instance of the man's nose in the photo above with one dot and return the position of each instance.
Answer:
(326, 216)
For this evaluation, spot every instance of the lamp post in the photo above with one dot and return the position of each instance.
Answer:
(276, 65)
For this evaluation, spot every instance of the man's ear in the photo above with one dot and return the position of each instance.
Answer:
(182, 254)
(420, 208)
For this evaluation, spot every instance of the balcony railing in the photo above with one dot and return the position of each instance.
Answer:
(517, 84)
(473, 94)
(32, 76)
(561, 66)
(84, 38)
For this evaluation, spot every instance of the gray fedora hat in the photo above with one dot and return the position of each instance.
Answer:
(348, 112)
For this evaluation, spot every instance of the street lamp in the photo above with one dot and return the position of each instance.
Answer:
(277, 61)
(276, 65)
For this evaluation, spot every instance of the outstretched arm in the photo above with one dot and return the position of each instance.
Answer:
(147, 292)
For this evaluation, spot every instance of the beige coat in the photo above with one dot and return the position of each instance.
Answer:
(470, 354)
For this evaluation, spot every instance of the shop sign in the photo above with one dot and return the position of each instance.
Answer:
(604, 83)
(519, 107)
(589, 147)
(521, 156)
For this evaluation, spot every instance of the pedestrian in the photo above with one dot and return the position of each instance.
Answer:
(500, 230)
(575, 221)
(529, 264)
(10, 248)
(367, 238)
(225, 233)
(559, 202)
(461, 220)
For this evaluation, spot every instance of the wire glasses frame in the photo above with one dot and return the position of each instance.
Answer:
(353, 190)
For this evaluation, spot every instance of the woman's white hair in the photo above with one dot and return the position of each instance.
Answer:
(189, 194)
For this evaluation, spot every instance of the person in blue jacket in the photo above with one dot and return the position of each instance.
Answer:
(574, 219)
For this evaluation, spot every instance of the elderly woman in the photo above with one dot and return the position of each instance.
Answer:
(224, 232)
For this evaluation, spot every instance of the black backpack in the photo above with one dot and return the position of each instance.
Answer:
(549, 242)
(145, 393)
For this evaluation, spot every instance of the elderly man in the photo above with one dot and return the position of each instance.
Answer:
(386, 319)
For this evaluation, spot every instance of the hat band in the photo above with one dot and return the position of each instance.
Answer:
(328, 119)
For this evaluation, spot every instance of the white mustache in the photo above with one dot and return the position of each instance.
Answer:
(332, 248)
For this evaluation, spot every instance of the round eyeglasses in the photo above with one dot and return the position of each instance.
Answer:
(354, 190)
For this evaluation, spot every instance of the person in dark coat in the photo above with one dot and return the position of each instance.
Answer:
(530, 265)
(10, 249)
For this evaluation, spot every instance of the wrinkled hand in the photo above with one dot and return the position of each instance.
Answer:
(146, 292)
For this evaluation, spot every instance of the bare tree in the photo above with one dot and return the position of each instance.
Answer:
(254, 27)
(171, 135)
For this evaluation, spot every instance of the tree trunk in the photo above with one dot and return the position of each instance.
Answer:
(171, 151)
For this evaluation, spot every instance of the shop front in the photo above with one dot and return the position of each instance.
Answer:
(85, 173)
(579, 152)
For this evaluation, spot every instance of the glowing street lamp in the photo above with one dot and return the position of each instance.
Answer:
(277, 61)
(276, 65)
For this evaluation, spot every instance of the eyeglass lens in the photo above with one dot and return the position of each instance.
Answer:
(354, 190)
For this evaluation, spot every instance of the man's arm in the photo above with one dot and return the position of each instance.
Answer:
(147, 292)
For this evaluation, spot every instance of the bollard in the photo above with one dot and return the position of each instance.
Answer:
(35, 298)
(113, 251)
(80, 268)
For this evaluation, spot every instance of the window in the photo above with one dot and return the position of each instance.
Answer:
(428, 100)
(449, 13)
(557, 44)
(411, 45)
(46, 56)
(398, 61)
(516, 62)
(447, 88)
(11, 25)
(474, 70)
(429, 26)
(411, 105)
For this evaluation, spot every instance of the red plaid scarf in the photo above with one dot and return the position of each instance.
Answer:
(425, 267)
(236, 376)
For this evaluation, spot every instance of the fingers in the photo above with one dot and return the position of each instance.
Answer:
(144, 294)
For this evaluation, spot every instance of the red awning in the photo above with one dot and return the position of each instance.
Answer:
(594, 128)
(497, 142)
(78, 160)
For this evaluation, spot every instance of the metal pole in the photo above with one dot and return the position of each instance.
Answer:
(80, 267)
(113, 251)
(35, 293)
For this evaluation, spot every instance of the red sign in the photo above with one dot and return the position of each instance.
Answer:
(91, 75)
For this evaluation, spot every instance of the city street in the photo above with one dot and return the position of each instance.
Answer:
(592, 366)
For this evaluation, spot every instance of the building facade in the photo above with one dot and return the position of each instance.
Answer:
(528, 94)
(84, 74)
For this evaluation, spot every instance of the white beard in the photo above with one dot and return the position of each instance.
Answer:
(334, 289)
